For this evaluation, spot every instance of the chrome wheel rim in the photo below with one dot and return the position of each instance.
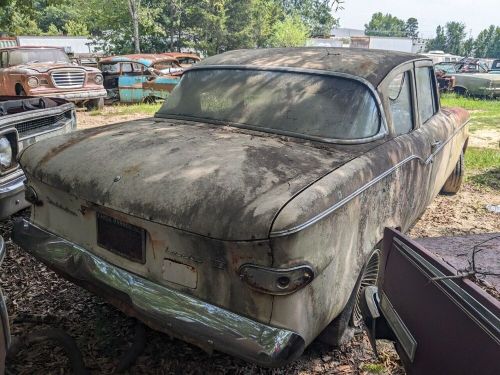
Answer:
(369, 277)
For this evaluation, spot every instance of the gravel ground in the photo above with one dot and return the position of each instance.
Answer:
(39, 298)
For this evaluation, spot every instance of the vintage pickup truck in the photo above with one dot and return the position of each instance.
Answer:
(23, 121)
(247, 215)
(47, 71)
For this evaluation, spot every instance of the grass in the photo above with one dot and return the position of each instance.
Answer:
(373, 368)
(129, 109)
(483, 167)
(485, 114)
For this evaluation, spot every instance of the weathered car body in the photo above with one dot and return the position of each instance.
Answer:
(495, 67)
(242, 216)
(441, 323)
(141, 77)
(23, 121)
(47, 71)
(186, 60)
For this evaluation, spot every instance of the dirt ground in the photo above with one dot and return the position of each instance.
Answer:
(38, 298)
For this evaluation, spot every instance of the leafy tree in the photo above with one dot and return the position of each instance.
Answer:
(455, 38)
(75, 28)
(468, 47)
(385, 25)
(411, 28)
(487, 43)
(291, 32)
(53, 30)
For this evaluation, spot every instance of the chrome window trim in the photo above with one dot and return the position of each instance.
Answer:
(328, 211)
(383, 128)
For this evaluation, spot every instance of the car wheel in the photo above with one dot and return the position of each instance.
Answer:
(95, 104)
(460, 91)
(343, 328)
(454, 181)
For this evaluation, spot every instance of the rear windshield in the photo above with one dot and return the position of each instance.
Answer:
(24, 56)
(282, 102)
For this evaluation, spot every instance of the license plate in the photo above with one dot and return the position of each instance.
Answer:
(121, 238)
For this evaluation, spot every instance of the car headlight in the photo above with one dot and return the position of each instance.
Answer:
(33, 82)
(5, 153)
(98, 79)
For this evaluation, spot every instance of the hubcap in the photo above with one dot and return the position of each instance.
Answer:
(369, 277)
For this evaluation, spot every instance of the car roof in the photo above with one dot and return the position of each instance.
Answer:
(31, 47)
(372, 65)
(182, 54)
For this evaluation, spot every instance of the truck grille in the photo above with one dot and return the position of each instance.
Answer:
(69, 78)
(32, 127)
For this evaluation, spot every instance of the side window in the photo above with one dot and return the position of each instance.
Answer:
(425, 93)
(400, 103)
(3, 59)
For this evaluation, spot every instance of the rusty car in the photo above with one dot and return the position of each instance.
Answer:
(141, 77)
(186, 60)
(471, 77)
(48, 71)
(247, 214)
(23, 121)
(450, 321)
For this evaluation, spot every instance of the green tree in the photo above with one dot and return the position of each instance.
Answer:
(75, 28)
(455, 38)
(52, 30)
(291, 32)
(439, 42)
(468, 47)
(411, 28)
(385, 25)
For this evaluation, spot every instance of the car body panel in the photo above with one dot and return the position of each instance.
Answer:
(460, 333)
(206, 191)
(482, 84)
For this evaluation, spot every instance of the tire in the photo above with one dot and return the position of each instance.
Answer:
(342, 328)
(460, 91)
(95, 104)
(454, 181)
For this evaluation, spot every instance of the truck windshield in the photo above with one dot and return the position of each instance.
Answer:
(34, 55)
(302, 104)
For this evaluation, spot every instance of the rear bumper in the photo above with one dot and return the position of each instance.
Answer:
(12, 196)
(164, 309)
(76, 96)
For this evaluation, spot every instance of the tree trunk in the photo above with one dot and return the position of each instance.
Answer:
(133, 7)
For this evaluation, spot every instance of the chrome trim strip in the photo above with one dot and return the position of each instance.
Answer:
(487, 320)
(383, 130)
(181, 315)
(403, 334)
(363, 188)
(4, 317)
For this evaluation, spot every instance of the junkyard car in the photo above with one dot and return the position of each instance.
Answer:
(495, 67)
(471, 77)
(247, 214)
(138, 78)
(186, 60)
(23, 121)
(47, 71)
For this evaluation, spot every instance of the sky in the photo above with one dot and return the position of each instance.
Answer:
(476, 14)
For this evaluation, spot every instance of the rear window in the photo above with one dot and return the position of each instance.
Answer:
(282, 102)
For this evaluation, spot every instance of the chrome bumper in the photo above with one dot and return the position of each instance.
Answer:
(192, 320)
(77, 95)
(12, 195)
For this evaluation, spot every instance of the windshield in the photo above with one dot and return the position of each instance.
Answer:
(24, 56)
(282, 102)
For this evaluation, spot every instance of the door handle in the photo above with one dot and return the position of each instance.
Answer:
(435, 145)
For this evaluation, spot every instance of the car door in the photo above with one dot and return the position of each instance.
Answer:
(3, 79)
(438, 126)
(410, 145)
(441, 325)
(130, 83)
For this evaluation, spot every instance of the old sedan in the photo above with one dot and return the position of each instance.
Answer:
(246, 216)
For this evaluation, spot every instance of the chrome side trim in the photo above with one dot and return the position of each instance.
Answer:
(4, 317)
(403, 334)
(181, 315)
(484, 318)
(383, 129)
(363, 188)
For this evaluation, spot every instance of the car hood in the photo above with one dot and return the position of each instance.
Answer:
(213, 180)
(46, 67)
